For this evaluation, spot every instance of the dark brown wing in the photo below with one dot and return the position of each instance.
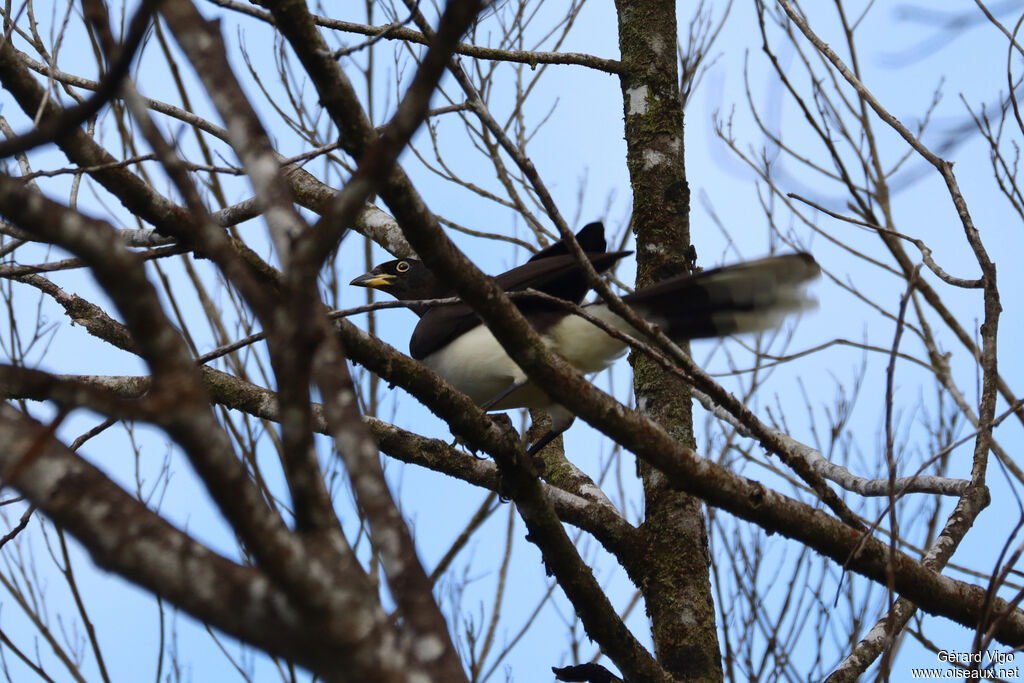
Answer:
(558, 276)
(590, 238)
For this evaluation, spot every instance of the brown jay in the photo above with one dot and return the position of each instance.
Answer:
(454, 343)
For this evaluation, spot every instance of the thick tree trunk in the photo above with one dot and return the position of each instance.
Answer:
(675, 575)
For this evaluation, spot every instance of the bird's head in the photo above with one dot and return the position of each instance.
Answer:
(405, 279)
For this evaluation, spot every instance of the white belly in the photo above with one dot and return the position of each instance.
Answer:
(477, 365)
(584, 345)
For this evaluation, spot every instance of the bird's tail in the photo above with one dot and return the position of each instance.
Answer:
(745, 297)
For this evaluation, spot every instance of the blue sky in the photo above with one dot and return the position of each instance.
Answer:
(903, 59)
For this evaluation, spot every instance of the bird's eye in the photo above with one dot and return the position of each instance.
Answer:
(402, 266)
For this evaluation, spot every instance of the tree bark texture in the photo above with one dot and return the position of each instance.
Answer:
(675, 580)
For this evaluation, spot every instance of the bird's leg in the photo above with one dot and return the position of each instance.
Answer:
(561, 420)
(501, 419)
(505, 393)
(543, 441)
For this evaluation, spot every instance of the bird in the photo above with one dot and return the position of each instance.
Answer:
(453, 341)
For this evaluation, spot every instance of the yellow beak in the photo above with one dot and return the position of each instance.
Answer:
(373, 280)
